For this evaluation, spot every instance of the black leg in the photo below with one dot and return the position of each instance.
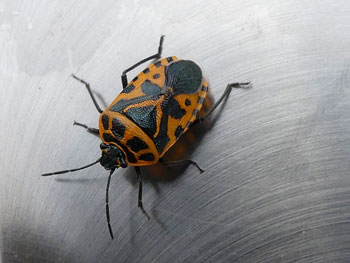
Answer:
(107, 204)
(181, 162)
(155, 56)
(87, 85)
(94, 131)
(223, 96)
(140, 204)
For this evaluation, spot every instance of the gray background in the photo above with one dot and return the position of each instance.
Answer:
(276, 186)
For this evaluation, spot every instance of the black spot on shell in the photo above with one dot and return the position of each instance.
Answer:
(156, 76)
(146, 157)
(162, 139)
(146, 70)
(179, 130)
(161, 142)
(200, 100)
(129, 88)
(149, 88)
(169, 59)
(136, 78)
(158, 64)
(136, 144)
(109, 138)
(118, 128)
(105, 120)
(131, 158)
(187, 102)
(175, 110)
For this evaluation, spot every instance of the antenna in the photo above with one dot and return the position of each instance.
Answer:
(107, 205)
(72, 170)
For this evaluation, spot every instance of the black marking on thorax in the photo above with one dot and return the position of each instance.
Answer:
(118, 128)
(146, 157)
(105, 121)
(129, 88)
(136, 144)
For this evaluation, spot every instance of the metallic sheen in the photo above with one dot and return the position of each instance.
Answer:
(276, 186)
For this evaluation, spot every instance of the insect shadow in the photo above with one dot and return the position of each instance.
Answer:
(182, 150)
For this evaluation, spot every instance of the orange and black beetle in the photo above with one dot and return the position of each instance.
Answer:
(149, 115)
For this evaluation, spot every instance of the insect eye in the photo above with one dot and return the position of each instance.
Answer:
(103, 146)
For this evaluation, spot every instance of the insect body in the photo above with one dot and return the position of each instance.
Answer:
(152, 112)
(149, 115)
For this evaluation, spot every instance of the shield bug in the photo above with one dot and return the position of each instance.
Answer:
(153, 110)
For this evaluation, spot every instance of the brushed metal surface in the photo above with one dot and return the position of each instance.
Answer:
(276, 186)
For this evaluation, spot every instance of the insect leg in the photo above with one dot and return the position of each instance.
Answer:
(181, 162)
(223, 96)
(155, 56)
(87, 85)
(140, 204)
(94, 131)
